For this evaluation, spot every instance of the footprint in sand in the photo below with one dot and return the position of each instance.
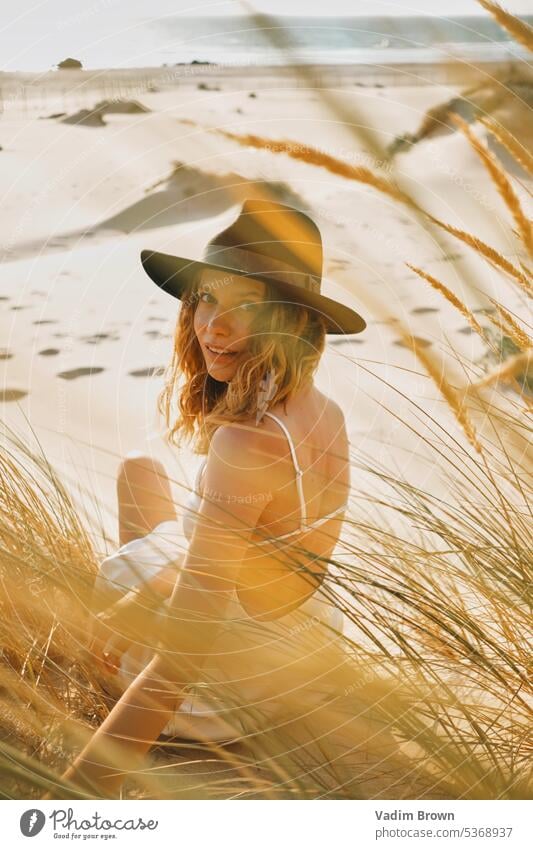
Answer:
(147, 372)
(423, 310)
(49, 352)
(5, 354)
(155, 334)
(449, 258)
(72, 374)
(96, 338)
(12, 394)
(423, 343)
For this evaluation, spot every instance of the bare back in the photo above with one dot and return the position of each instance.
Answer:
(280, 574)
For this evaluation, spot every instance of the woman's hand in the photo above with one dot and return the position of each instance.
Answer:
(113, 652)
(107, 645)
(117, 627)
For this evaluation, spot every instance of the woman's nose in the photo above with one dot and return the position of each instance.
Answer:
(219, 320)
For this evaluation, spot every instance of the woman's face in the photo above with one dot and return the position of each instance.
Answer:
(226, 308)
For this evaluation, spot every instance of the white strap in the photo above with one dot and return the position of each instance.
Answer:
(299, 472)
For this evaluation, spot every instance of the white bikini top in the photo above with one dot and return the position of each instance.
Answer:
(192, 504)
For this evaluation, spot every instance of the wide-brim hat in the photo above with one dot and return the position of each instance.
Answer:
(268, 241)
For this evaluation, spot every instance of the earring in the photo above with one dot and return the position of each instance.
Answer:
(267, 390)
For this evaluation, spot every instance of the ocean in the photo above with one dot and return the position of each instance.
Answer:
(242, 40)
(346, 40)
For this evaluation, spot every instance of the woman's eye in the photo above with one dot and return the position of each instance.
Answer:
(246, 306)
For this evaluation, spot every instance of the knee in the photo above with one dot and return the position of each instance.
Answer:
(137, 468)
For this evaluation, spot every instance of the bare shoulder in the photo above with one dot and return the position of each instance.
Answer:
(239, 444)
(337, 424)
(336, 412)
(340, 448)
(235, 470)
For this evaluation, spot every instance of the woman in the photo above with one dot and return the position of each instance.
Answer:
(246, 616)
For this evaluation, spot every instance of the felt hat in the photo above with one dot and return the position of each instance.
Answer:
(268, 241)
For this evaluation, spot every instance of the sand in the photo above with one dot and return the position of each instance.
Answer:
(84, 332)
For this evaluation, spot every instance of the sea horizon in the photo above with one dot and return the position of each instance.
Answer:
(241, 41)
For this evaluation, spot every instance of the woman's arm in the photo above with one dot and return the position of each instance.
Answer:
(197, 609)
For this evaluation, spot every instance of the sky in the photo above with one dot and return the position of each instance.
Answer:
(36, 34)
(54, 10)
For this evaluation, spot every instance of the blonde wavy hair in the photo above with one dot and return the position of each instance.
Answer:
(286, 340)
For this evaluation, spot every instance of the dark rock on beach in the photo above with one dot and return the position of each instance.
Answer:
(70, 65)
(120, 107)
(85, 118)
(95, 117)
(507, 101)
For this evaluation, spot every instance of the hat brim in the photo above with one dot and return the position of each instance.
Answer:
(173, 274)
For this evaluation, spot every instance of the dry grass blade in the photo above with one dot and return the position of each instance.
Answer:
(452, 397)
(451, 297)
(313, 156)
(511, 333)
(361, 174)
(519, 153)
(490, 254)
(511, 328)
(508, 371)
(520, 30)
(282, 40)
(502, 183)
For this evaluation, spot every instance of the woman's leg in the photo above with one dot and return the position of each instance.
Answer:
(119, 745)
(144, 496)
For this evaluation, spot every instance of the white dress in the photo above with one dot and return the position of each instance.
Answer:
(258, 663)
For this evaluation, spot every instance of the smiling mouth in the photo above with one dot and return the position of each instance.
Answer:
(221, 353)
